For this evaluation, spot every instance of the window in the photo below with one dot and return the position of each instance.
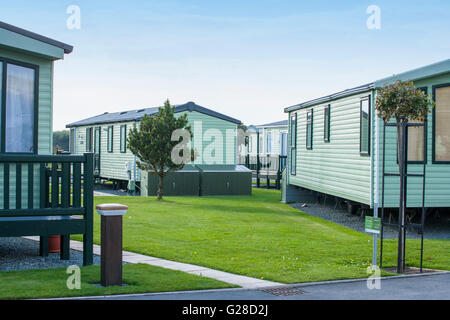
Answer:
(110, 138)
(97, 139)
(123, 138)
(283, 138)
(309, 129)
(415, 137)
(72, 141)
(269, 142)
(326, 124)
(293, 143)
(261, 144)
(18, 106)
(441, 120)
(88, 139)
(364, 135)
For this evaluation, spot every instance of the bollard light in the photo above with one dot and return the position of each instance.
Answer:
(111, 243)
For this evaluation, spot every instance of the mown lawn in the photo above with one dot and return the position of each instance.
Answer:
(256, 236)
(140, 278)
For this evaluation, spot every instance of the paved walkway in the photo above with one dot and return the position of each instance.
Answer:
(131, 257)
(413, 287)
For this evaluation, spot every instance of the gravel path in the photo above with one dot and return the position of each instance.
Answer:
(21, 254)
(435, 228)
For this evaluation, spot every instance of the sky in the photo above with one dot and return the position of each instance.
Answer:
(246, 59)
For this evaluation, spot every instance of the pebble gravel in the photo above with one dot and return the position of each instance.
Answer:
(17, 253)
(436, 226)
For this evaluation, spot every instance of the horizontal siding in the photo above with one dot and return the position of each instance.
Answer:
(209, 123)
(334, 167)
(112, 164)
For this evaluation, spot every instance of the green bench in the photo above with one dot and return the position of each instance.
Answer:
(64, 185)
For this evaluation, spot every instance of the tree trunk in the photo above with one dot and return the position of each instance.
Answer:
(159, 194)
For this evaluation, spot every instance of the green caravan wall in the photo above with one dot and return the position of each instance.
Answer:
(112, 164)
(44, 125)
(211, 127)
(334, 167)
(438, 175)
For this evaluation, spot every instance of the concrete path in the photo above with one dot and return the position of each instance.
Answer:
(413, 287)
(131, 257)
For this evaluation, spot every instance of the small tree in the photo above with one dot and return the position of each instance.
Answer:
(157, 145)
(403, 102)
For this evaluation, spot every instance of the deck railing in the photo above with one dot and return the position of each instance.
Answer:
(46, 185)
(265, 166)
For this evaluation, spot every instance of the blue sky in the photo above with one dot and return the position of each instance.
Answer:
(247, 59)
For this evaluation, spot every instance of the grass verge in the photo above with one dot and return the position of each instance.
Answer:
(257, 236)
(140, 278)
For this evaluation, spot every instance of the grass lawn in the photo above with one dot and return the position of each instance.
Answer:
(256, 236)
(47, 283)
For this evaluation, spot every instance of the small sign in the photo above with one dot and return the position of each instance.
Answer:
(373, 225)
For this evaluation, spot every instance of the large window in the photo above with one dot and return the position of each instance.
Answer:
(415, 140)
(326, 124)
(364, 136)
(110, 138)
(123, 138)
(19, 105)
(293, 143)
(309, 129)
(441, 120)
(269, 142)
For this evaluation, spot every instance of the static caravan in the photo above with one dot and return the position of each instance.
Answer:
(336, 144)
(272, 139)
(38, 197)
(105, 135)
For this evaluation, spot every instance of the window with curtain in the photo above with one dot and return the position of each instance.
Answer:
(110, 139)
(441, 123)
(415, 140)
(309, 130)
(19, 109)
(364, 136)
(123, 138)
